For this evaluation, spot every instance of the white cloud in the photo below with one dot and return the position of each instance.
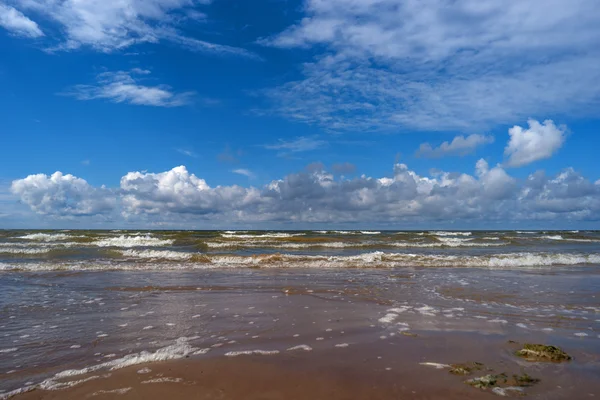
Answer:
(440, 64)
(63, 195)
(15, 22)
(243, 171)
(179, 192)
(126, 87)
(538, 142)
(316, 196)
(297, 145)
(460, 146)
(113, 25)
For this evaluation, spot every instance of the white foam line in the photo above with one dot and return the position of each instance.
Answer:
(435, 365)
(163, 380)
(388, 319)
(304, 347)
(9, 350)
(264, 235)
(251, 352)
(179, 349)
(113, 391)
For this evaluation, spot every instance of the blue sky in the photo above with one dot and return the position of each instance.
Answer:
(297, 114)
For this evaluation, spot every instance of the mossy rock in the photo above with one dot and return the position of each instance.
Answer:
(410, 334)
(465, 369)
(487, 381)
(541, 352)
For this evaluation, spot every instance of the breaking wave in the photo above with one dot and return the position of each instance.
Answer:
(46, 237)
(158, 254)
(133, 241)
(376, 259)
(442, 242)
(444, 233)
(262, 235)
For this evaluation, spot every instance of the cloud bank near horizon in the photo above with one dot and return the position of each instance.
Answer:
(318, 196)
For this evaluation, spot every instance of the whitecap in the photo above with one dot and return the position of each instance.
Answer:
(132, 241)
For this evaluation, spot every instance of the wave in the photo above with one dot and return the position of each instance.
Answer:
(345, 232)
(12, 250)
(40, 244)
(375, 259)
(263, 235)
(46, 237)
(158, 254)
(447, 243)
(552, 237)
(133, 241)
(444, 242)
(447, 233)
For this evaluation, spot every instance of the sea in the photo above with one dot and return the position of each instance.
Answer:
(76, 302)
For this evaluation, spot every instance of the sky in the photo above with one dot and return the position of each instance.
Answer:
(277, 114)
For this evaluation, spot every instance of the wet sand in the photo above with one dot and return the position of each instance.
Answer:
(383, 369)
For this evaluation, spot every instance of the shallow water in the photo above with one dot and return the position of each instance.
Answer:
(109, 299)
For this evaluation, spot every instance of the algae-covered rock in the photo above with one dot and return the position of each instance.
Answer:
(465, 369)
(409, 334)
(486, 381)
(541, 352)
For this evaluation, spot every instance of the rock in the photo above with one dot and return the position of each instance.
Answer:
(410, 334)
(541, 352)
(486, 381)
(465, 369)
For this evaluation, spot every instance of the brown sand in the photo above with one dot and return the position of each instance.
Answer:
(386, 369)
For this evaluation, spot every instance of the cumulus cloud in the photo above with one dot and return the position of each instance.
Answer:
(440, 64)
(15, 22)
(460, 146)
(179, 192)
(108, 26)
(317, 196)
(63, 195)
(127, 87)
(538, 142)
